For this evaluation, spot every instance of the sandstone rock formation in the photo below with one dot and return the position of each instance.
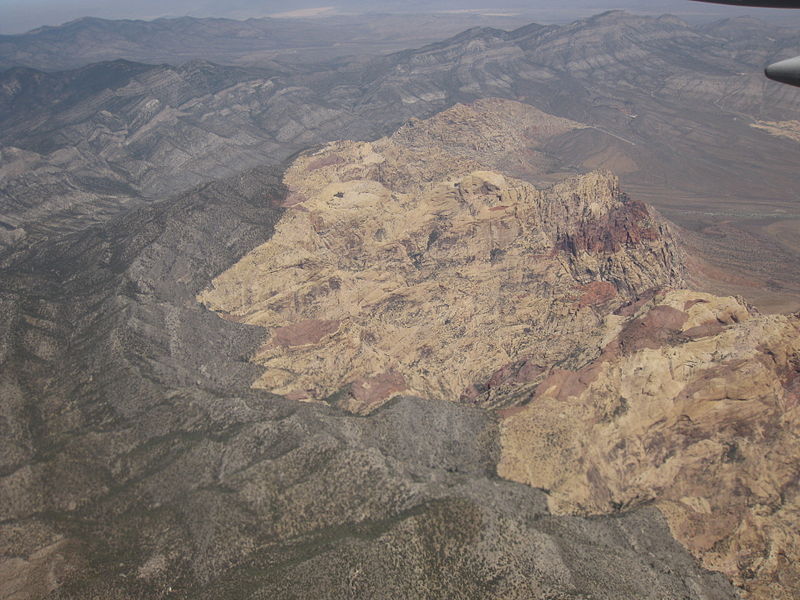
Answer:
(668, 108)
(693, 404)
(136, 462)
(403, 266)
(406, 265)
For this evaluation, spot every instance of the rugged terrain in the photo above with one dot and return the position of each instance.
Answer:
(252, 42)
(692, 406)
(138, 460)
(405, 265)
(137, 463)
(668, 107)
(401, 267)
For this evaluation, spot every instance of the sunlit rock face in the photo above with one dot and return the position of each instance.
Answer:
(693, 405)
(413, 264)
(427, 263)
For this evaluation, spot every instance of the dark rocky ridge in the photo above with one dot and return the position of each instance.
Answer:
(137, 462)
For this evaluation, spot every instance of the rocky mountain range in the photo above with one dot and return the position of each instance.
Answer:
(138, 462)
(680, 113)
(402, 267)
(252, 42)
(691, 406)
(405, 326)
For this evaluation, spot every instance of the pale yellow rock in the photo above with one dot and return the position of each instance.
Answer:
(786, 129)
(435, 269)
(706, 427)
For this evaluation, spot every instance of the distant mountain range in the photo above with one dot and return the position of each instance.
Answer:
(672, 109)
(253, 42)
(228, 41)
(19, 17)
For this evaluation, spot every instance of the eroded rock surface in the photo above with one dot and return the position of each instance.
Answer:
(404, 265)
(416, 265)
(693, 405)
(135, 461)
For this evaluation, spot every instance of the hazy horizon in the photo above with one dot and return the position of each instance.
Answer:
(20, 16)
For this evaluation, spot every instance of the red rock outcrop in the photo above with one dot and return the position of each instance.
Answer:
(693, 405)
(304, 333)
(405, 266)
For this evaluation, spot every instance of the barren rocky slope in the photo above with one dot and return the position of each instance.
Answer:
(136, 459)
(401, 267)
(404, 265)
(136, 463)
(692, 406)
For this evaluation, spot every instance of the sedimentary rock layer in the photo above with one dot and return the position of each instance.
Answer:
(693, 405)
(403, 266)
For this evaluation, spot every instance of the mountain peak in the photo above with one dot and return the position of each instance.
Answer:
(477, 33)
(621, 17)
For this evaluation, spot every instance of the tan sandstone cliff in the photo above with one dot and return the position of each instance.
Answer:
(694, 404)
(428, 263)
(404, 266)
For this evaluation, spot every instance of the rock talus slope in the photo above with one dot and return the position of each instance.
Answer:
(403, 265)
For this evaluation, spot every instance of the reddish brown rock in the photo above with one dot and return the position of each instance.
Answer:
(293, 199)
(473, 393)
(656, 327)
(597, 293)
(568, 383)
(368, 392)
(508, 380)
(304, 332)
(521, 371)
(629, 224)
(704, 329)
(690, 303)
(631, 308)
(325, 161)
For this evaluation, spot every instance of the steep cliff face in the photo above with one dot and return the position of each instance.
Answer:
(693, 405)
(403, 266)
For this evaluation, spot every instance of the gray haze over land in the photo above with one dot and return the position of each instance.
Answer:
(18, 16)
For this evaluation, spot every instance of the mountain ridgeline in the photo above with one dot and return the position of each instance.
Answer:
(680, 113)
(252, 42)
(405, 326)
